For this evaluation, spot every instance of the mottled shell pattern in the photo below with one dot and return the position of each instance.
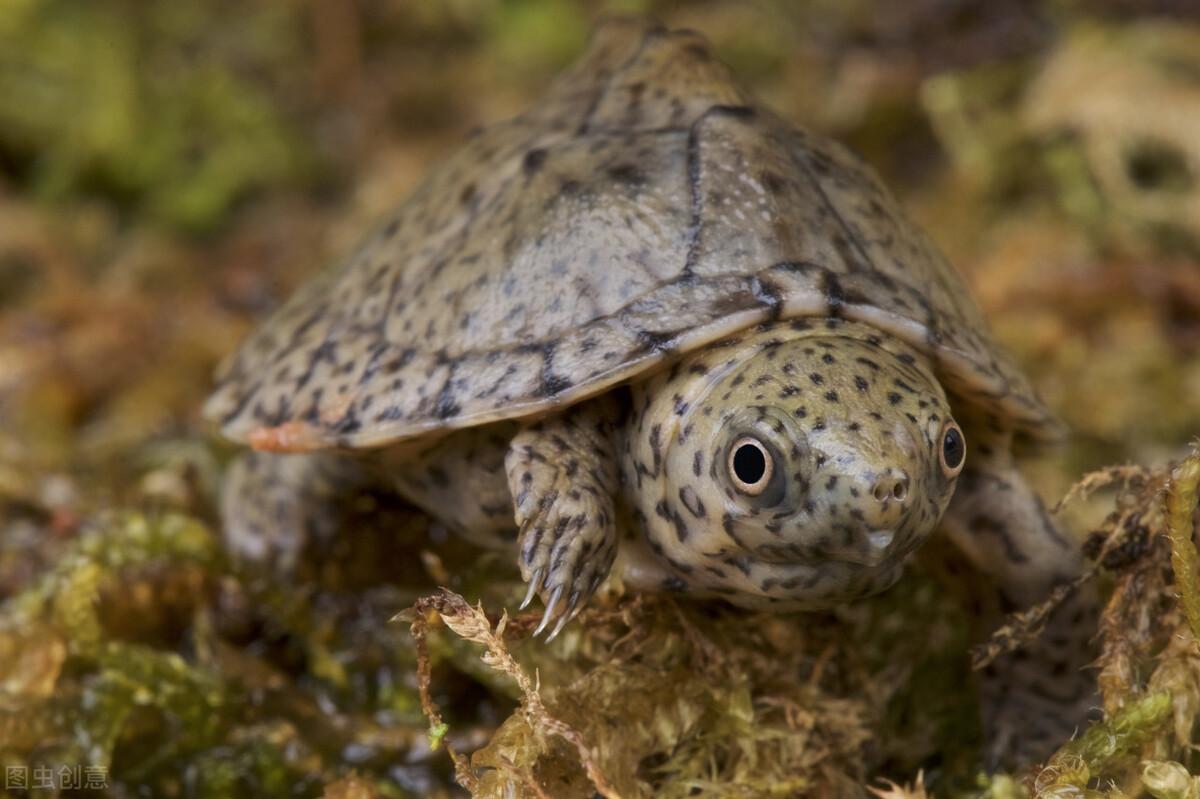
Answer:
(644, 208)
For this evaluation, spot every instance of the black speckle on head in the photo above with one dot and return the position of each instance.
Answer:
(681, 528)
(674, 584)
(656, 445)
(691, 501)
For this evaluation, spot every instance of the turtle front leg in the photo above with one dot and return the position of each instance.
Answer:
(562, 472)
(1035, 697)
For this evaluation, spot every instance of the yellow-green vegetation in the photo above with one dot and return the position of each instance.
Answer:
(1051, 149)
(154, 106)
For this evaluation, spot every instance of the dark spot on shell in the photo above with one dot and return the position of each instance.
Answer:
(533, 160)
(627, 173)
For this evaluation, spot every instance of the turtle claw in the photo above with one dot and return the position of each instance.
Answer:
(551, 607)
(570, 613)
(535, 582)
(554, 555)
(562, 622)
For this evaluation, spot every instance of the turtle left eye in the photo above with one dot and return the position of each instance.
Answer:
(953, 452)
(751, 466)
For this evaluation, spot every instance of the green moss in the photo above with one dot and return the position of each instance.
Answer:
(149, 109)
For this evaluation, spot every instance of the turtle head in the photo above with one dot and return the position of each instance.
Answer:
(797, 467)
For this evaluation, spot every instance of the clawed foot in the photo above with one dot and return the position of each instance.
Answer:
(562, 473)
(558, 559)
(566, 552)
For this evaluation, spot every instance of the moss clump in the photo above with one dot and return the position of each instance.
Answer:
(126, 657)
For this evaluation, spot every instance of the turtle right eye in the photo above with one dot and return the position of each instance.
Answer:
(750, 466)
(953, 451)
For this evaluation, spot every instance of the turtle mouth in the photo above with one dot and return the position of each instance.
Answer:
(865, 547)
(876, 551)
(881, 540)
(870, 549)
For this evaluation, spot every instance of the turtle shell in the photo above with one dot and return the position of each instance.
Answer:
(645, 207)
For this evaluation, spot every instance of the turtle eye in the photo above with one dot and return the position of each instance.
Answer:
(954, 450)
(750, 465)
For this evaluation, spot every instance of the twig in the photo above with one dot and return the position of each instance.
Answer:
(1180, 505)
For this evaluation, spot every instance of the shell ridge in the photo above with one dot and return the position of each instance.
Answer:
(603, 91)
(695, 178)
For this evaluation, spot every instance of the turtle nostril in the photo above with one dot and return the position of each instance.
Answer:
(891, 487)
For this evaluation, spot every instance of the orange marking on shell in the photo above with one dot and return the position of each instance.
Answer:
(287, 437)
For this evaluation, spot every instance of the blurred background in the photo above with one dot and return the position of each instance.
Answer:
(170, 171)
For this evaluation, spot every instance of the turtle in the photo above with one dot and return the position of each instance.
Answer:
(650, 328)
